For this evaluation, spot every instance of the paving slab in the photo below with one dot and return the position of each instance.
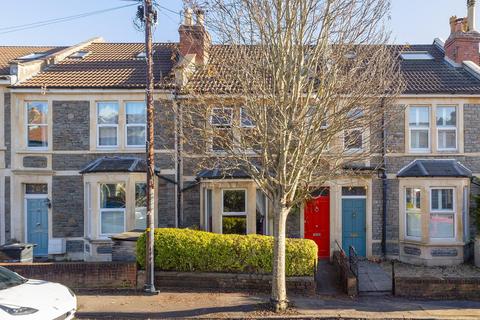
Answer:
(372, 278)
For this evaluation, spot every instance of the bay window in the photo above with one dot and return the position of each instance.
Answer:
(140, 206)
(112, 208)
(413, 212)
(234, 211)
(107, 124)
(442, 213)
(37, 125)
(446, 117)
(136, 124)
(419, 128)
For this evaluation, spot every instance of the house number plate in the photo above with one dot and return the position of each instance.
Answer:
(317, 234)
(354, 234)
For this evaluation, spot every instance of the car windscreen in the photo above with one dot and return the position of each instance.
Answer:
(9, 279)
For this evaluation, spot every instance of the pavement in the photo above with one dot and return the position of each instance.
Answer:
(373, 279)
(176, 303)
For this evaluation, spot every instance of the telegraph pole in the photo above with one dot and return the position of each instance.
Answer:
(149, 259)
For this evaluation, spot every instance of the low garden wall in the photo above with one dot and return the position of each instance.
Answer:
(438, 288)
(228, 281)
(345, 276)
(81, 275)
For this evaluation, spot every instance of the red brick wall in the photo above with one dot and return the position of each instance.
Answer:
(438, 288)
(80, 275)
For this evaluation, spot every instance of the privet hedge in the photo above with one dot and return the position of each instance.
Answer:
(191, 250)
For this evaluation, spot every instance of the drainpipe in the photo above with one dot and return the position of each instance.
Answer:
(384, 183)
(179, 156)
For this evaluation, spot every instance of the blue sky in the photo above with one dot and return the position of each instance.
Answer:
(412, 21)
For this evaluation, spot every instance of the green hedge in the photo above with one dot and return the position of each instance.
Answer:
(191, 250)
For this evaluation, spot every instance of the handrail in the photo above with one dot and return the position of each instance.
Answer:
(353, 259)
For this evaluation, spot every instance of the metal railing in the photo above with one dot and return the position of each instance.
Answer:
(353, 259)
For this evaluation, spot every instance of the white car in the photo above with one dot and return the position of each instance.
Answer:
(22, 299)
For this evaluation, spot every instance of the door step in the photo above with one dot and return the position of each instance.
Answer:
(375, 293)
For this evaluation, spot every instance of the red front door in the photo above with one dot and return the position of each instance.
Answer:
(317, 223)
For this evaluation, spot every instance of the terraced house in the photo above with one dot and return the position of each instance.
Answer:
(72, 171)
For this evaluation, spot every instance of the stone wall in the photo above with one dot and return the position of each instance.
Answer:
(191, 206)
(164, 125)
(7, 209)
(34, 162)
(392, 217)
(471, 131)
(71, 125)
(81, 275)
(345, 276)
(166, 202)
(437, 288)
(394, 122)
(229, 281)
(67, 206)
(293, 224)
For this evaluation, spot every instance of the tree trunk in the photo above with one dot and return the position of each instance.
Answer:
(279, 288)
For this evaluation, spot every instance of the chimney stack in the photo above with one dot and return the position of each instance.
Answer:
(194, 38)
(463, 42)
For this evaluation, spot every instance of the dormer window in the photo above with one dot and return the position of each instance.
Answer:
(416, 55)
(141, 55)
(79, 54)
(32, 56)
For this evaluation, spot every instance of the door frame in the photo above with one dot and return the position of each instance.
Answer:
(365, 197)
(25, 206)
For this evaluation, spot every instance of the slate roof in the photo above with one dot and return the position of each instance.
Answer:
(10, 53)
(435, 168)
(108, 65)
(435, 76)
(214, 174)
(115, 164)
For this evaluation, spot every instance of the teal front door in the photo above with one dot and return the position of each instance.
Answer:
(37, 225)
(354, 225)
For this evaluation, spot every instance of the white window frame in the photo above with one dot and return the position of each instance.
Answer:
(447, 127)
(446, 212)
(102, 210)
(406, 214)
(235, 213)
(127, 125)
(107, 126)
(221, 109)
(345, 132)
(417, 128)
(27, 126)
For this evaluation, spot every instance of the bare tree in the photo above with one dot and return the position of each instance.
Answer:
(295, 96)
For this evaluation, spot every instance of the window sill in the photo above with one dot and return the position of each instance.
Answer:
(433, 243)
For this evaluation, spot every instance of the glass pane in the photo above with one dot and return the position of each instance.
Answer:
(140, 195)
(414, 225)
(355, 113)
(107, 113)
(141, 218)
(37, 112)
(37, 136)
(413, 199)
(136, 135)
(442, 199)
(246, 120)
(441, 226)
(136, 112)
(107, 136)
(112, 196)
(36, 188)
(419, 116)
(446, 116)
(353, 139)
(234, 201)
(222, 116)
(112, 222)
(447, 139)
(261, 212)
(419, 139)
(234, 225)
(354, 191)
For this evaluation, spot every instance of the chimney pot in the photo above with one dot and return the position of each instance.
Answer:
(471, 15)
(200, 17)
(188, 17)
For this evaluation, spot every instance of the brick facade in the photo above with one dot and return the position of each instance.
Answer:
(71, 129)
